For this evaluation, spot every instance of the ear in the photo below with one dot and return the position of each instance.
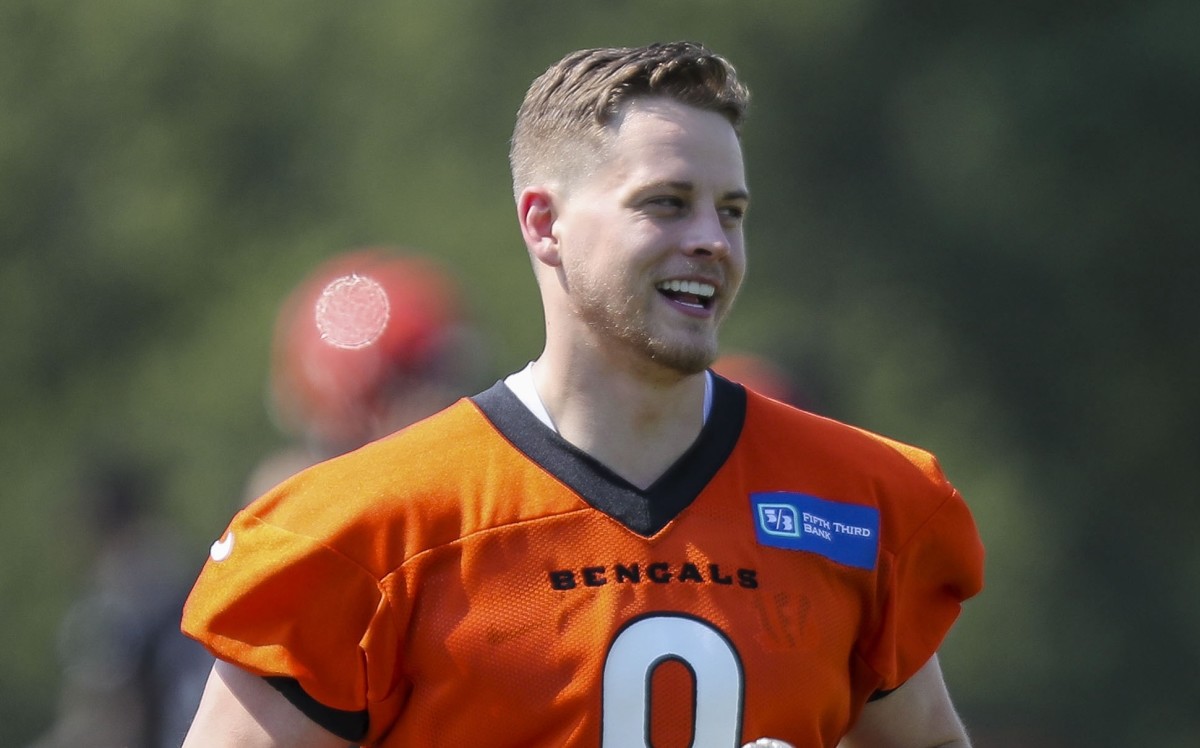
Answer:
(537, 215)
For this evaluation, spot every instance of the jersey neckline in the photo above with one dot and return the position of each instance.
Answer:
(644, 511)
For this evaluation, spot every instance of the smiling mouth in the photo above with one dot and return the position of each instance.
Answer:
(695, 294)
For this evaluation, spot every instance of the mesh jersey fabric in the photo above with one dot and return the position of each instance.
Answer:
(474, 579)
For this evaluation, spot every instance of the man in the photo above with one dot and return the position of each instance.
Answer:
(129, 678)
(373, 339)
(612, 547)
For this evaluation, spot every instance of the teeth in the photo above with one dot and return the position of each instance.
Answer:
(695, 288)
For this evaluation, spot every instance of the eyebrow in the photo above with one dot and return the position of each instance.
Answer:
(737, 195)
(681, 186)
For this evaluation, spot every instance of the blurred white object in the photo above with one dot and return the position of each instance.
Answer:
(768, 743)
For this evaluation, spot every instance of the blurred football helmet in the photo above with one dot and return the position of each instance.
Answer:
(362, 328)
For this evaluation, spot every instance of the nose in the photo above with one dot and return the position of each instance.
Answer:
(706, 236)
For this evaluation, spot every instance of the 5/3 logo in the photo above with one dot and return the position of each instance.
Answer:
(645, 643)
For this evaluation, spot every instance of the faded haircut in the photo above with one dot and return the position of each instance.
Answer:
(561, 123)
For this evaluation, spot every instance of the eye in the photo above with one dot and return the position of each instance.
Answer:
(666, 203)
(732, 215)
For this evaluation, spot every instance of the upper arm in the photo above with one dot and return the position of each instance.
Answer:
(918, 714)
(241, 709)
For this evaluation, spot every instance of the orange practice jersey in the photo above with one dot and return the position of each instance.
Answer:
(476, 580)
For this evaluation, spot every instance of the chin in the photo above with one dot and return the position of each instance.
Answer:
(685, 360)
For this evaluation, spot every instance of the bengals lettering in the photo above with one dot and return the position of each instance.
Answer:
(658, 572)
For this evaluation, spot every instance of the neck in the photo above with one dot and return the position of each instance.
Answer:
(637, 423)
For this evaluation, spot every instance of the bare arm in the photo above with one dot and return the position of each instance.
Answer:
(916, 715)
(241, 710)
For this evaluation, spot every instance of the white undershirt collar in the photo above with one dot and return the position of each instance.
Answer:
(521, 384)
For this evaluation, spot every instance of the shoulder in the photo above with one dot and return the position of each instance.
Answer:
(403, 455)
(798, 451)
(426, 486)
(778, 429)
(379, 504)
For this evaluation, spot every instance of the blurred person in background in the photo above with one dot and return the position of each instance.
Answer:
(372, 340)
(130, 679)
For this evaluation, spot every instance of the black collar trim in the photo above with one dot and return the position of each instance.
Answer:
(642, 511)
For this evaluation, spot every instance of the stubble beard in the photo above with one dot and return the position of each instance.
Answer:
(632, 330)
(686, 359)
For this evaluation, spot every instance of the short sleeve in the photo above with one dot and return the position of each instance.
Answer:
(923, 585)
(277, 603)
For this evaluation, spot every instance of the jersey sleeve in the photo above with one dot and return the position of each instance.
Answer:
(923, 583)
(280, 604)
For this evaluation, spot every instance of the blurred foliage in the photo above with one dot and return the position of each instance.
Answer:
(973, 229)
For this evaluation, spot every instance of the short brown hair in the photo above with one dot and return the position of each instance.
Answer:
(567, 107)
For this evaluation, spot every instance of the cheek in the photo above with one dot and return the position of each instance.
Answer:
(737, 261)
(589, 277)
(588, 233)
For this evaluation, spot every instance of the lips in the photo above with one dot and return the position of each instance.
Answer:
(689, 293)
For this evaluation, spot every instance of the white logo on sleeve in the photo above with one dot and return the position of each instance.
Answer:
(222, 548)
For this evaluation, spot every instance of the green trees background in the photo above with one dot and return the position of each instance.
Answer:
(974, 228)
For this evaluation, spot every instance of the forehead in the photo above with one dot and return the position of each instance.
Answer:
(659, 138)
